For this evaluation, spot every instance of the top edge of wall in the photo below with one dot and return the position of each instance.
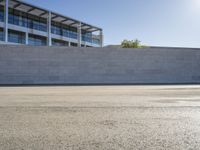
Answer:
(27, 46)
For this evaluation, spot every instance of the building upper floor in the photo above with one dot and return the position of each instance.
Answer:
(32, 17)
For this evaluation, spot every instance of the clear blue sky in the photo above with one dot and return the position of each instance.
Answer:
(154, 22)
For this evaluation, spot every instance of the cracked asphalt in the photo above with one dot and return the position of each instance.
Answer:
(100, 118)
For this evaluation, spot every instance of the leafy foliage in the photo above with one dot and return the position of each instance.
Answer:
(131, 44)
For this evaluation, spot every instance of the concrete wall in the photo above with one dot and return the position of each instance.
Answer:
(61, 65)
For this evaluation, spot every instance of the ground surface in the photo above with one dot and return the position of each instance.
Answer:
(100, 118)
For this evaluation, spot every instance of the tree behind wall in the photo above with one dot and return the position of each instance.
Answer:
(131, 44)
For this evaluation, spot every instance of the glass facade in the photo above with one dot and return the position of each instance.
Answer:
(26, 20)
(16, 37)
(1, 34)
(1, 14)
(23, 19)
(96, 41)
(36, 40)
(74, 44)
(64, 30)
(56, 42)
(87, 37)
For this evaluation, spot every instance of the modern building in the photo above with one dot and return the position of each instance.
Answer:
(24, 23)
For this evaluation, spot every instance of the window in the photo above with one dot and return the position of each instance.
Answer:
(16, 37)
(1, 13)
(87, 37)
(56, 42)
(96, 41)
(36, 40)
(56, 28)
(74, 44)
(64, 30)
(1, 35)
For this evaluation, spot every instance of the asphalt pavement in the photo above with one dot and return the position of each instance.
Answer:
(100, 118)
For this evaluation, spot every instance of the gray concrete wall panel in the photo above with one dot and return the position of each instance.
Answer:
(67, 65)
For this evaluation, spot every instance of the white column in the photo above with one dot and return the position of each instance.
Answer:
(101, 38)
(6, 21)
(69, 44)
(79, 35)
(49, 30)
(26, 36)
